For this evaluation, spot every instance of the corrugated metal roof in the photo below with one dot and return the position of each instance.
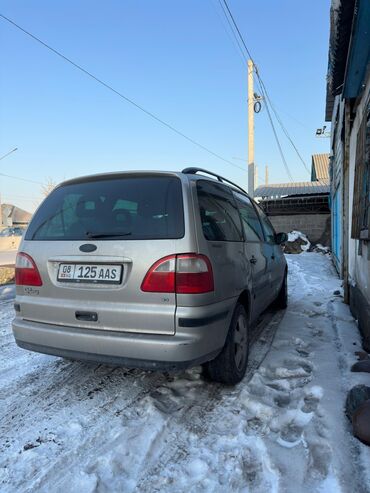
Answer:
(287, 189)
(341, 17)
(320, 167)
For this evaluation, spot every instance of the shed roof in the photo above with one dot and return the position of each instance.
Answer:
(320, 167)
(19, 216)
(288, 189)
(349, 50)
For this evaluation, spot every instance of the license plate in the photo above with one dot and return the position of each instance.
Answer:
(92, 273)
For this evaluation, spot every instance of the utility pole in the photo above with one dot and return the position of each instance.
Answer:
(255, 182)
(251, 174)
(266, 175)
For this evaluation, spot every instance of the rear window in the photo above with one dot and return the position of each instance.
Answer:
(218, 212)
(131, 208)
(251, 223)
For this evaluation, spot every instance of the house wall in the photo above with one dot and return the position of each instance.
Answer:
(358, 250)
(315, 226)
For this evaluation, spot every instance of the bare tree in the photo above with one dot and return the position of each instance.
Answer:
(48, 186)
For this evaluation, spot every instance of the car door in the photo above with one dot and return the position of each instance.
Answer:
(275, 253)
(256, 254)
(223, 235)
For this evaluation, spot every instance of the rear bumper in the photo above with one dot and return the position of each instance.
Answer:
(116, 360)
(194, 342)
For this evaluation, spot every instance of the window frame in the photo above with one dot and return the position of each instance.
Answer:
(365, 198)
(361, 188)
(262, 213)
(33, 227)
(229, 192)
(262, 240)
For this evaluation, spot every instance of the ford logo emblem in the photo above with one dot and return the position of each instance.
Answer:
(88, 247)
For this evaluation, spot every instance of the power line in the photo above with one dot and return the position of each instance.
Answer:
(110, 88)
(236, 39)
(283, 127)
(22, 179)
(267, 97)
(278, 143)
(10, 152)
(237, 29)
(26, 197)
(267, 101)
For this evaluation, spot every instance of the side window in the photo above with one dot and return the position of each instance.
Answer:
(251, 223)
(267, 226)
(218, 212)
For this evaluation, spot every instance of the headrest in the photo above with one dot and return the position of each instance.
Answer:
(88, 207)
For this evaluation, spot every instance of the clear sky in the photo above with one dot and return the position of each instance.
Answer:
(175, 58)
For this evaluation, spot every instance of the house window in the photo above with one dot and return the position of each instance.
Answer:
(361, 195)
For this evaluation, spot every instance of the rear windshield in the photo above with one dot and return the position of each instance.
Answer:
(130, 208)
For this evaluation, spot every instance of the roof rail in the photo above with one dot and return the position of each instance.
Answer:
(193, 171)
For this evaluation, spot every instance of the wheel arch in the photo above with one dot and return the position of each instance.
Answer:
(245, 300)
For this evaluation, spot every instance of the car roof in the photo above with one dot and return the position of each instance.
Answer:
(186, 174)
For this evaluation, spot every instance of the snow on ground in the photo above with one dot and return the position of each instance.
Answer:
(7, 292)
(77, 427)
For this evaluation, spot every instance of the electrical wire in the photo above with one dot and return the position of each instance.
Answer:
(22, 179)
(121, 95)
(17, 197)
(278, 144)
(235, 37)
(285, 130)
(238, 31)
(267, 98)
(10, 152)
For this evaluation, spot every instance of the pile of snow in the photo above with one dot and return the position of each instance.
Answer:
(319, 248)
(297, 243)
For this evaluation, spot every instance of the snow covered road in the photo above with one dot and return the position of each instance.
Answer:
(77, 427)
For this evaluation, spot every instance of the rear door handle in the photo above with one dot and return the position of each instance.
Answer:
(87, 316)
(253, 260)
(273, 257)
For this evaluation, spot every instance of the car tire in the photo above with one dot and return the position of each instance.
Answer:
(230, 365)
(281, 301)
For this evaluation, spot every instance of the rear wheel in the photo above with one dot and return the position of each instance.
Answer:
(230, 365)
(282, 298)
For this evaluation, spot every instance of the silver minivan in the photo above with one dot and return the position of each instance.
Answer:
(148, 269)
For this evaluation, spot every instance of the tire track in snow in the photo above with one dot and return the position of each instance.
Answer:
(59, 390)
(199, 417)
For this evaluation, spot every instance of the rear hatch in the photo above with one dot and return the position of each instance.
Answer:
(93, 241)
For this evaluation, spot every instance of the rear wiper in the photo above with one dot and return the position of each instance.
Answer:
(107, 235)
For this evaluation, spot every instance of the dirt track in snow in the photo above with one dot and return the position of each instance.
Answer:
(69, 426)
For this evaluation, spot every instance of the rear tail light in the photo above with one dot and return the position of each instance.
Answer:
(160, 278)
(187, 273)
(193, 274)
(26, 272)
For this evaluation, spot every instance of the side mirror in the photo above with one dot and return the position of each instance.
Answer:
(281, 238)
